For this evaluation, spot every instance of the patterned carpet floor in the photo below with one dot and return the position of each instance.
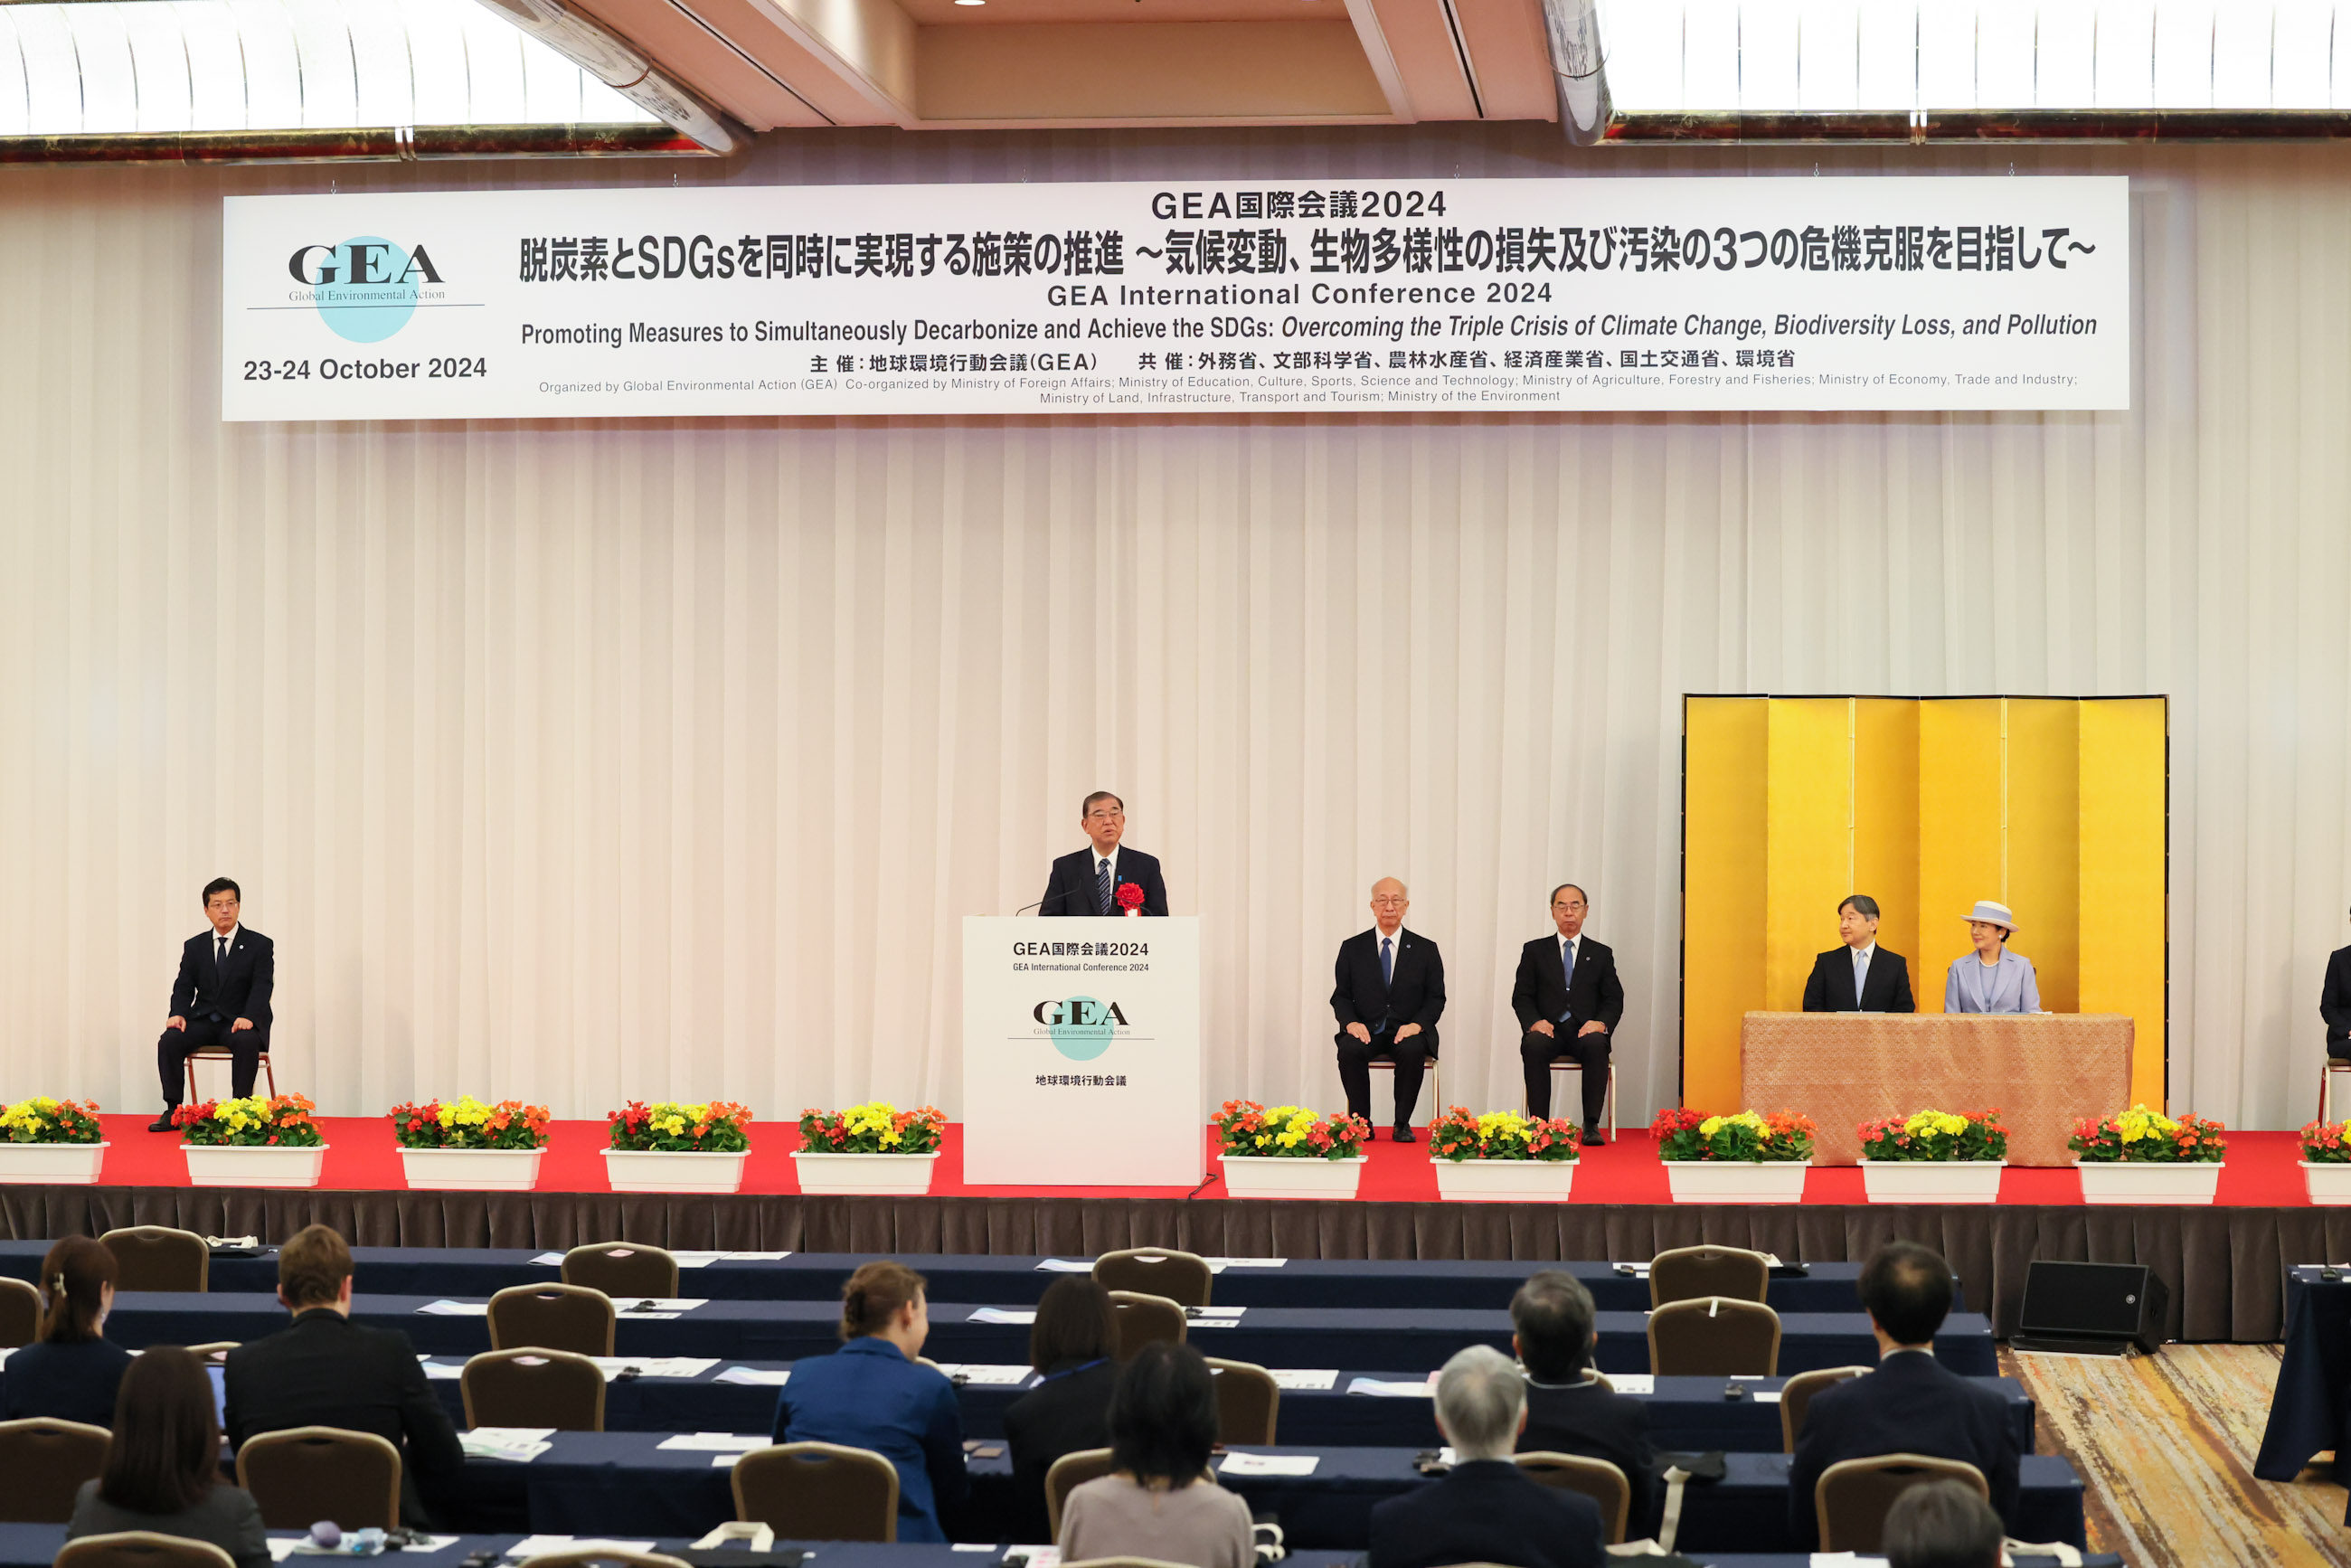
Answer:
(2165, 1445)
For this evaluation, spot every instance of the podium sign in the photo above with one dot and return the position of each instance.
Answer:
(1082, 1052)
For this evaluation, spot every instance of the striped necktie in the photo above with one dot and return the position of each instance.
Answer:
(1102, 885)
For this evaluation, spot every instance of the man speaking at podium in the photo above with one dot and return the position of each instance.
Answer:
(220, 997)
(1089, 882)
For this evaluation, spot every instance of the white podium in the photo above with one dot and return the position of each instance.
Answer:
(1082, 1052)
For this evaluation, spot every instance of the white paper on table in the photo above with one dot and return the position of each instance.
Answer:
(1632, 1381)
(456, 1309)
(1764, 1398)
(1066, 1265)
(754, 1257)
(714, 1442)
(1270, 1464)
(282, 1547)
(611, 1366)
(987, 1374)
(516, 1445)
(1748, 1376)
(1220, 1264)
(1637, 1270)
(1196, 1314)
(971, 1546)
(1020, 1315)
(1384, 1388)
(646, 1306)
(1845, 1560)
(436, 1373)
(696, 1260)
(548, 1260)
(1213, 1323)
(532, 1545)
(756, 1377)
(1294, 1378)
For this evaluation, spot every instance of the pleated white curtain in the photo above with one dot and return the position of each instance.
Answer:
(582, 761)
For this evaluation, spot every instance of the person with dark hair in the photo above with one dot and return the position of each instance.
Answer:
(1092, 880)
(875, 1393)
(1910, 1404)
(1070, 1345)
(324, 1370)
(163, 1469)
(1569, 1003)
(1941, 1524)
(1860, 976)
(1567, 1410)
(2335, 1005)
(220, 999)
(1162, 1502)
(71, 1371)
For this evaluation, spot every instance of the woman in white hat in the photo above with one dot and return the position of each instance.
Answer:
(1991, 979)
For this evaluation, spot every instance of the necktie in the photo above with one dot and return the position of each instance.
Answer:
(220, 955)
(1102, 885)
(1859, 974)
(1387, 962)
(1566, 974)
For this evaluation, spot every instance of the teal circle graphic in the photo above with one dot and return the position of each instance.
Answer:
(1082, 1041)
(365, 312)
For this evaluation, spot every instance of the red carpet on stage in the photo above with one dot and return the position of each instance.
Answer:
(2261, 1170)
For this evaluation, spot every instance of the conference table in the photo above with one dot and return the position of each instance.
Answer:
(1008, 1280)
(1395, 1339)
(2310, 1413)
(2041, 1070)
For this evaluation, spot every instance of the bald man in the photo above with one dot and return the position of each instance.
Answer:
(1389, 994)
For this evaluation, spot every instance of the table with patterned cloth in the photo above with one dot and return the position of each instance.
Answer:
(2042, 1071)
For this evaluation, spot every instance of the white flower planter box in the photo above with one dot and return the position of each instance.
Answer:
(1932, 1181)
(665, 1170)
(52, 1165)
(259, 1164)
(2133, 1181)
(1736, 1181)
(1263, 1176)
(1504, 1181)
(867, 1176)
(473, 1170)
(2329, 1186)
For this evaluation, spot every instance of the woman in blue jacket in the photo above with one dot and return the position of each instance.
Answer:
(72, 1371)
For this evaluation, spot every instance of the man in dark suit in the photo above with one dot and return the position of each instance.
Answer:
(1087, 881)
(1388, 995)
(1910, 1405)
(1568, 1412)
(325, 1370)
(1860, 976)
(1486, 1508)
(220, 997)
(1569, 1003)
(2334, 1004)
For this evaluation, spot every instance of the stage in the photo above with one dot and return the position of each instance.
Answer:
(2226, 1264)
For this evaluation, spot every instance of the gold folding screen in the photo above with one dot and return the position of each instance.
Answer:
(2054, 806)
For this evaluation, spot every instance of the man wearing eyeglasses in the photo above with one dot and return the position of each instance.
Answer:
(1388, 995)
(1092, 880)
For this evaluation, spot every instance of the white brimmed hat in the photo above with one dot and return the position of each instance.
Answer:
(1993, 915)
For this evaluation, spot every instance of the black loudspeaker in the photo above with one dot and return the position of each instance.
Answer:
(2098, 1308)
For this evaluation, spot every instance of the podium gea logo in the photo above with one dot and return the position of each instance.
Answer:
(1079, 1026)
(364, 288)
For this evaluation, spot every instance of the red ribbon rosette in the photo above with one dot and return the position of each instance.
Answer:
(1129, 897)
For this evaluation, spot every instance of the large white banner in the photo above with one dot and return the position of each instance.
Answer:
(1257, 297)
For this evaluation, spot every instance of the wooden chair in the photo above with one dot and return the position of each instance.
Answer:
(1182, 1277)
(1573, 1103)
(1070, 1472)
(1435, 1085)
(1598, 1479)
(1143, 1320)
(533, 1388)
(158, 1258)
(818, 1491)
(2328, 1072)
(552, 1317)
(1249, 1403)
(1796, 1399)
(222, 1054)
(46, 1461)
(1691, 1273)
(622, 1269)
(305, 1474)
(20, 1313)
(1854, 1495)
(140, 1549)
(1714, 1337)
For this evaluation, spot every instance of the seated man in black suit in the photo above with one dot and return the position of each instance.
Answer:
(1910, 1405)
(2335, 1007)
(220, 997)
(1088, 882)
(1550, 1322)
(1569, 1003)
(1860, 976)
(1486, 1508)
(328, 1370)
(1388, 995)
(1941, 1524)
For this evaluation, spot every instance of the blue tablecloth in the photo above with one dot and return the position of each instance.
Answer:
(2307, 1412)
(1007, 1281)
(1395, 1339)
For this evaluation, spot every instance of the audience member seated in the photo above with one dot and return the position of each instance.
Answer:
(1069, 1346)
(1941, 1524)
(70, 1372)
(163, 1469)
(1486, 1508)
(872, 1393)
(1910, 1405)
(1567, 1411)
(325, 1370)
(1162, 1502)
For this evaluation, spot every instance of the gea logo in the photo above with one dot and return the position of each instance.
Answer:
(1080, 1027)
(360, 261)
(364, 288)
